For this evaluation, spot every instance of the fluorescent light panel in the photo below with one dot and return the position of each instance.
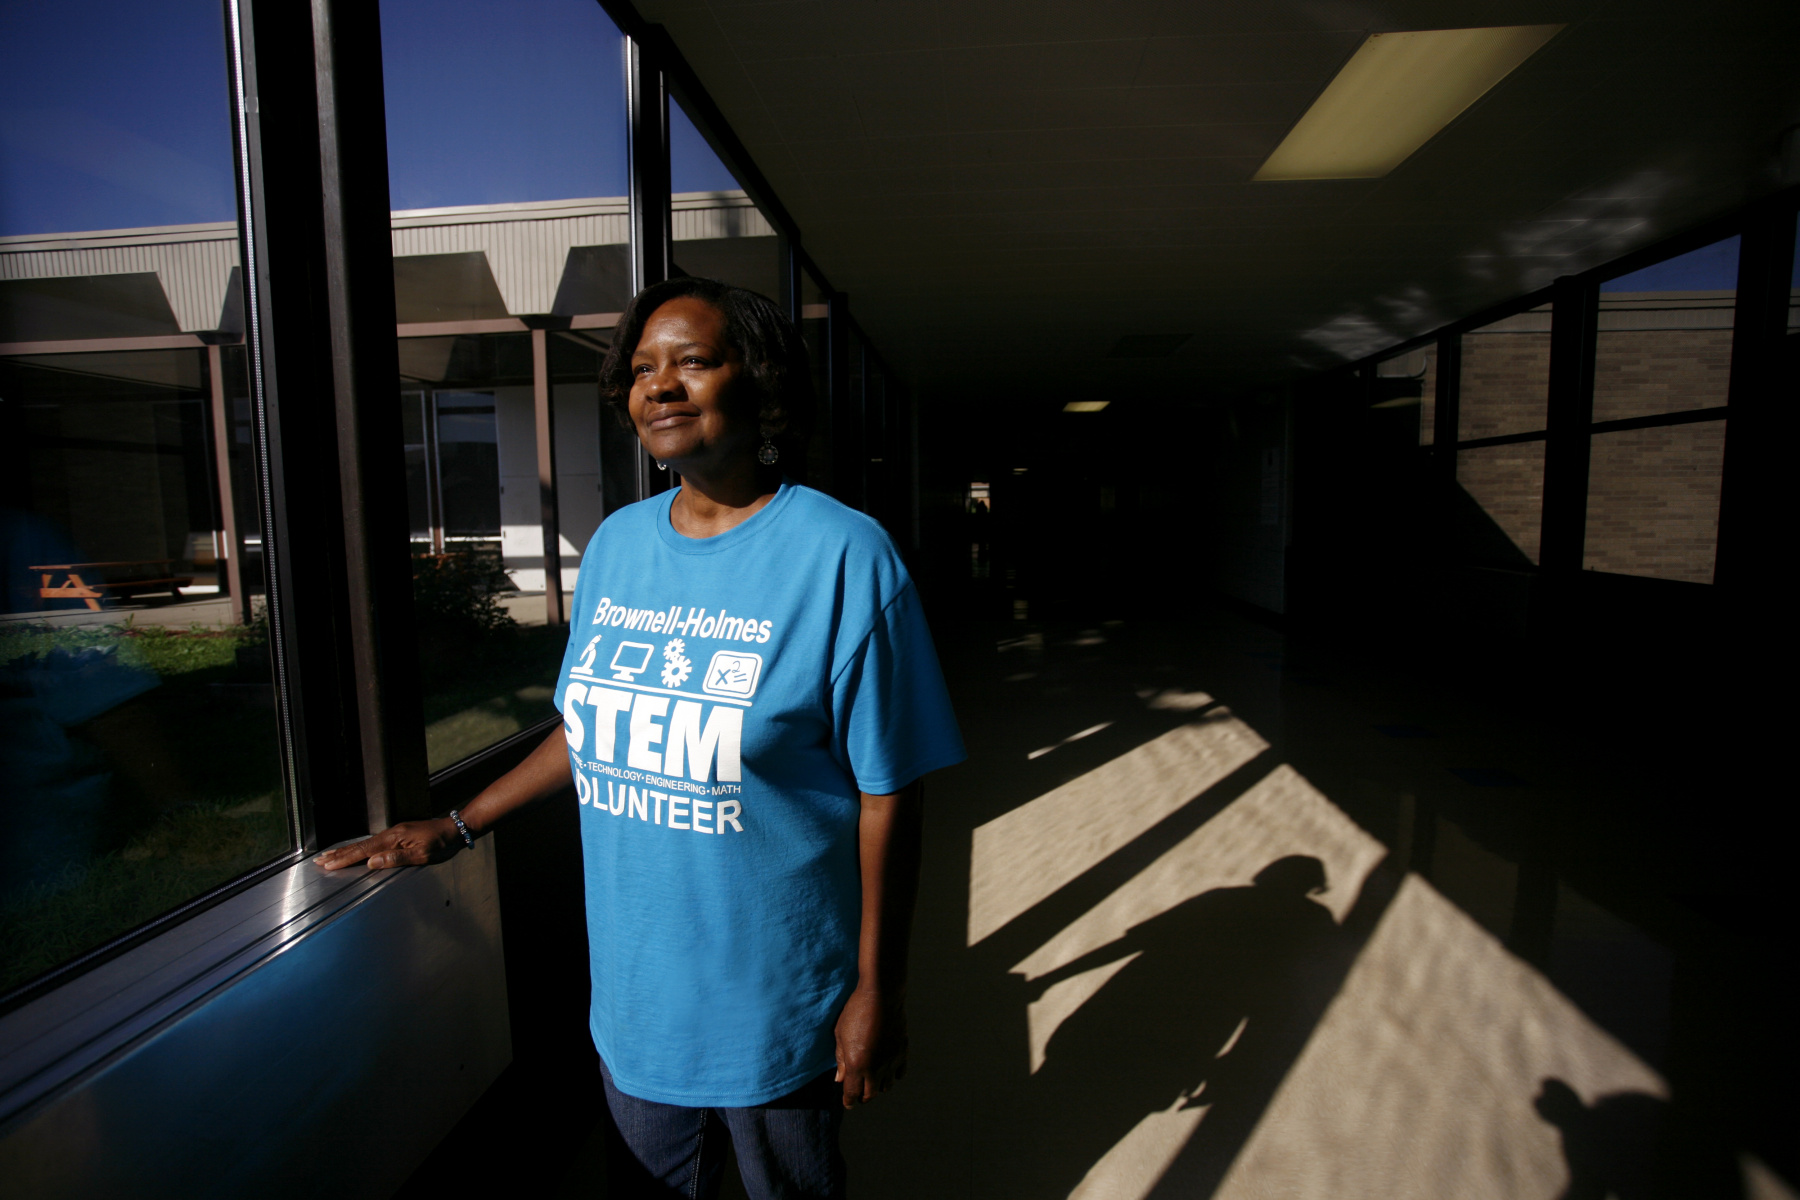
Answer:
(1394, 94)
(1085, 405)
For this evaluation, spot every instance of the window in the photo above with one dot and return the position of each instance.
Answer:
(1507, 483)
(718, 232)
(1663, 349)
(138, 732)
(1503, 407)
(1653, 501)
(1408, 382)
(815, 327)
(510, 271)
(1664, 339)
(1505, 382)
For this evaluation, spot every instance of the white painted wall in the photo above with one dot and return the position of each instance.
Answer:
(577, 409)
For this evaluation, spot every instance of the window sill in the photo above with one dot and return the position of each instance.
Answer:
(353, 1006)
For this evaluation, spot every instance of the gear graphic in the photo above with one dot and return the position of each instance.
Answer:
(673, 649)
(675, 673)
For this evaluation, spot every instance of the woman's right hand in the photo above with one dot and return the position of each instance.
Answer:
(408, 844)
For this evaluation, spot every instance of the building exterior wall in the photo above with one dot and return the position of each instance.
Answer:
(526, 246)
(578, 414)
(1642, 372)
(1505, 377)
(1653, 501)
(192, 262)
(1653, 494)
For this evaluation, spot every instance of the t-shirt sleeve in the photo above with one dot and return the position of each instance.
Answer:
(889, 705)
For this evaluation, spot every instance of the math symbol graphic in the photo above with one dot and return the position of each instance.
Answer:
(732, 673)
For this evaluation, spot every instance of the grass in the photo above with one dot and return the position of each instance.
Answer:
(483, 688)
(188, 770)
(182, 855)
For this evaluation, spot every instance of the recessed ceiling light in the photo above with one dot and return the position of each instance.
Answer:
(1394, 94)
(1020, 470)
(1085, 405)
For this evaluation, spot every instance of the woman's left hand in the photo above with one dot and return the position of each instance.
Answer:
(871, 1045)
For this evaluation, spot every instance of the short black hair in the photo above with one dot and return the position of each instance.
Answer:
(776, 364)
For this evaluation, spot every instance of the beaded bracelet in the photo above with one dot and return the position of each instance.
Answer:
(468, 840)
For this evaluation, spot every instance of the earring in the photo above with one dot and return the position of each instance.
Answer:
(768, 456)
(662, 466)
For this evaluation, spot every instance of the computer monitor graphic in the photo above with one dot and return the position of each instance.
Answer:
(630, 660)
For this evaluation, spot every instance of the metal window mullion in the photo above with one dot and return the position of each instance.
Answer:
(845, 433)
(231, 568)
(434, 471)
(365, 373)
(1446, 418)
(1753, 495)
(1574, 319)
(787, 261)
(312, 750)
(647, 134)
(548, 520)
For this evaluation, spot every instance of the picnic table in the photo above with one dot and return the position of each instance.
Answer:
(92, 582)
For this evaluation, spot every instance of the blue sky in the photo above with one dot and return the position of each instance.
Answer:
(115, 115)
(491, 101)
(1710, 268)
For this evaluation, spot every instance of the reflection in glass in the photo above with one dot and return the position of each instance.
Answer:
(1793, 321)
(1653, 501)
(815, 327)
(1408, 381)
(1505, 383)
(510, 244)
(1507, 483)
(718, 232)
(138, 738)
(486, 649)
(1664, 339)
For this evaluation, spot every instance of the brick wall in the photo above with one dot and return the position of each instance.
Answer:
(1653, 498)
(1508, 483)
(1653, 501)
(1641, 372)
(1505, 380)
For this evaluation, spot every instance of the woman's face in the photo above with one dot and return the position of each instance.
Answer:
(688, 400)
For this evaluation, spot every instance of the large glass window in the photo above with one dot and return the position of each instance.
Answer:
(1793, 321)
(511, 268)
(1664, 338)
(1505, 382)
(1408, 382)
(1653, 501)
(1663, 347)
(718, 233)
(815, 327)
(138, 737)
(1507, 484)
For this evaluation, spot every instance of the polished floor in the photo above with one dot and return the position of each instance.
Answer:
(1209, 912)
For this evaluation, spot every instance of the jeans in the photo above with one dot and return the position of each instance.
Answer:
(787, 1149)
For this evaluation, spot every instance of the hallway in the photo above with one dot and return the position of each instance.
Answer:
(1121, 987)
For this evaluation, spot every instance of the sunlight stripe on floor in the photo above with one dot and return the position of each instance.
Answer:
(1024, 856)
(1421, 1078)
(1281, 815)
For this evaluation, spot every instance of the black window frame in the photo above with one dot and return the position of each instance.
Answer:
(314, 229)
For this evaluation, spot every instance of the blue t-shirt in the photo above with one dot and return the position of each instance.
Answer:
(724, 700)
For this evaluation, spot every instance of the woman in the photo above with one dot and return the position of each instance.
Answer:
(750, 699)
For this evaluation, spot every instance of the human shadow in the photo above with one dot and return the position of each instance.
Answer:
(1224, 990)
(1635, 1146)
